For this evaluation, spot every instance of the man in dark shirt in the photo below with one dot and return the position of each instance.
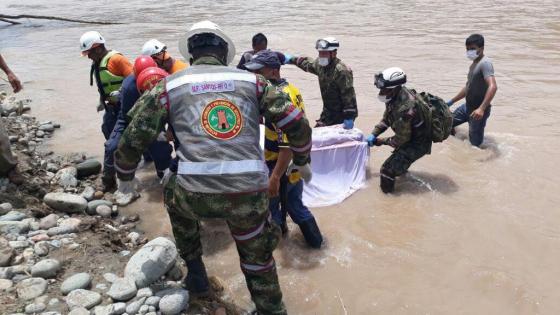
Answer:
(260, 42)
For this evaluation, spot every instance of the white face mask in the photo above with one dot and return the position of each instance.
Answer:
(383, 98)
(323, 61)
(472, 54)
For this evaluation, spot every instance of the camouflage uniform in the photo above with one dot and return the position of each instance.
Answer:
(247, 214)
(337, 90)
(407, 117)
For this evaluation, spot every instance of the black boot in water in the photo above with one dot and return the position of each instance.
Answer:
(311, 233)
(196, 280)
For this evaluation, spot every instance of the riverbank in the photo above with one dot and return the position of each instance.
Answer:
(67, 248)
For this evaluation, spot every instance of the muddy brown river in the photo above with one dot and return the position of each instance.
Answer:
(470, 231)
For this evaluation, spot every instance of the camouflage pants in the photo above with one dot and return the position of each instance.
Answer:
(249, 222)
(403, 157)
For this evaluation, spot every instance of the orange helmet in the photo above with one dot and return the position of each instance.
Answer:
(142, 63)
(148, 78)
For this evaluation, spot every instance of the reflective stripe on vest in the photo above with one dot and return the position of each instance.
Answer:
(210, 77)
(109, 81)
(222, 167)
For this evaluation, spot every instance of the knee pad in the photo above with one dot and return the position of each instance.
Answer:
(387, 183)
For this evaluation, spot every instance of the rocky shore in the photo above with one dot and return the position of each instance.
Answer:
(66, 249)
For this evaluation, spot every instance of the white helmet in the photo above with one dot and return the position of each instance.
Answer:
(390, 78)
(327, 44)
(89, 39)
(152, 47)
(201, 28)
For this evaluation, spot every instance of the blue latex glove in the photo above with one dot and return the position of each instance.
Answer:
(348, 124)
(371, 140)
(449, 103)
(288, 58)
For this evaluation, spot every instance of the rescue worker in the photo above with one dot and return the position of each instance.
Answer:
(214, 111)
(335, 82)
(158, 51)
(259, 42)
(278, 156)
(109, 68)
(160, 150)
(409, 119)
(7, 160)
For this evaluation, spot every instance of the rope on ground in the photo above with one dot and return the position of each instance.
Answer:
(5, 17)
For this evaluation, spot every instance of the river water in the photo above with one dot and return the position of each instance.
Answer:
(470, 231)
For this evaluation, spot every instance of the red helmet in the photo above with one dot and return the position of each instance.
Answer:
(149, 78)
(142, 63)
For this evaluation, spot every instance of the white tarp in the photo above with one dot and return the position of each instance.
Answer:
(338, 159)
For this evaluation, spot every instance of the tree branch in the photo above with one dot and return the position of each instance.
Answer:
(3, 17)
(8, 21)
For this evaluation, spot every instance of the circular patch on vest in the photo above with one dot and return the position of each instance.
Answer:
(222, 119)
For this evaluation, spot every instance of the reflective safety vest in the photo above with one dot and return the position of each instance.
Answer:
(106, 81)
(214, 113)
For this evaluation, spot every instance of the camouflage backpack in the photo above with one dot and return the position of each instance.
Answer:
(439, 114)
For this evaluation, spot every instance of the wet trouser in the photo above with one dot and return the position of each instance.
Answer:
(159, 152)
(295, 207)
(7, 159)
(250, 225)
(476, 127)
(400, 161)
(109, 119)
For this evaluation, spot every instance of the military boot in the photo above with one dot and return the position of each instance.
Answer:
(311, 233)
(108, 181)
(387, 183)
(196, 280)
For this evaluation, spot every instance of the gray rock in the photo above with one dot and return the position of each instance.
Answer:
(19, 244)
(151, 262)
(77, 281)
(101, 287)
(118, 308)
(51, 313)
(6, 273)
(41, 299)
(31, 288)
(48, 221)
(47, 127)
(46, 268)
(104, 211)
(66, 177)
(13, 227)
(41, 248)
(6, 252)
(19, 278)
(13, 216)
(79, 311)
(83, 298)
(64, 202)
(52, 167)
(88, 167)
(112, 309)
(40, 134)
(5, 208)
(55, 243)
(92, 205)
(123, 289)
(144, 292)
(54, 302)
(152, 301)
(35, 308)
(174, 302)
(133, 237)
(5, 284)
(88, 193)
(134, 307)
(58, 230)
(110, 277)
(144, 309)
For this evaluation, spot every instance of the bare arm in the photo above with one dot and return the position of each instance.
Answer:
(459, 95)
(12, 78)
(284, 158)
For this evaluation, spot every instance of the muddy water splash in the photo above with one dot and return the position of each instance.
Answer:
(470, 231)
